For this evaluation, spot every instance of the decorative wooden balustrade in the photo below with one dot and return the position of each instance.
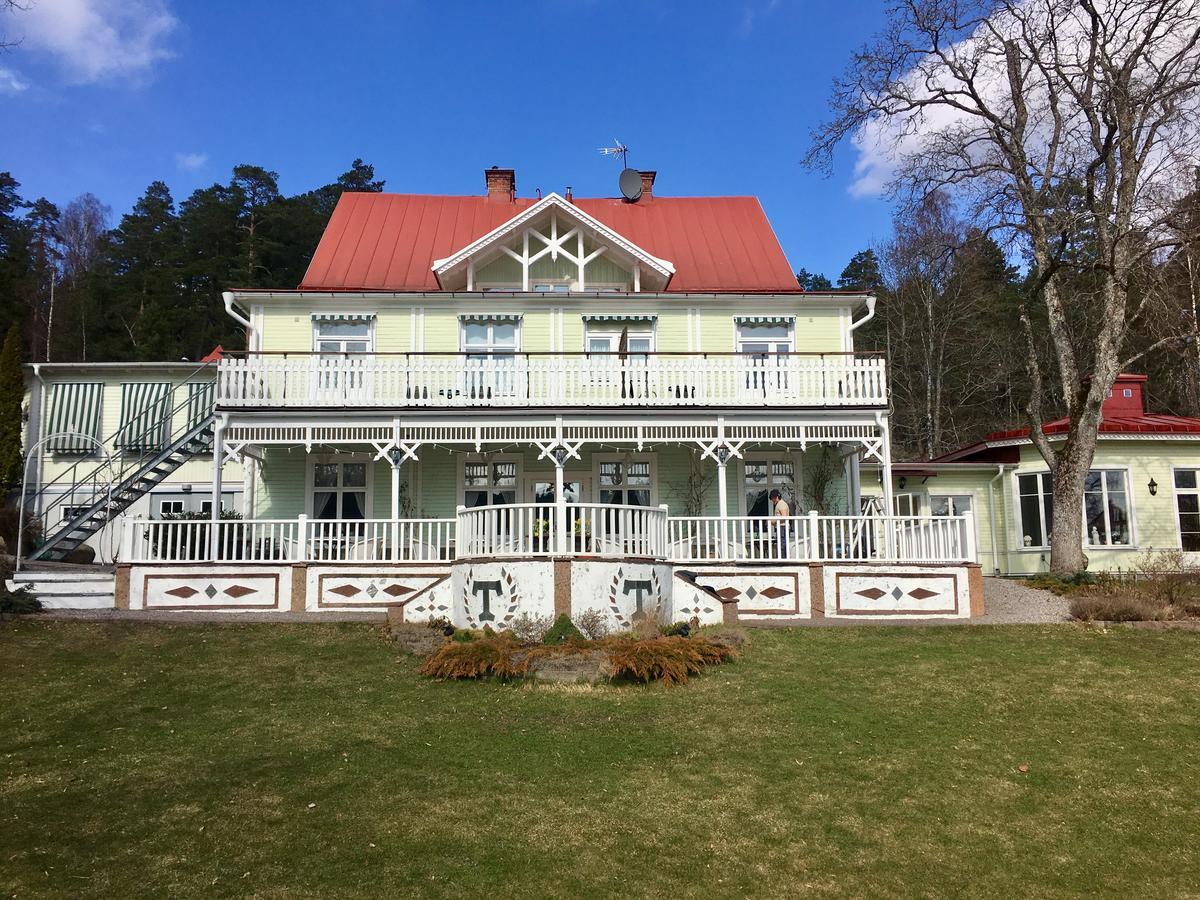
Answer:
(535, 530)
(430, 380)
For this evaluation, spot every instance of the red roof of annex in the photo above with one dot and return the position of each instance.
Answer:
(388, 242)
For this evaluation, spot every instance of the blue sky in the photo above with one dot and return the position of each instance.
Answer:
(108, 95)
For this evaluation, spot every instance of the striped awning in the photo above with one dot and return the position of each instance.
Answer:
(202, 396)
(343, 317)
(489, 317)
(74, 412)
(145, 408)
(614, 317)
(764, 320)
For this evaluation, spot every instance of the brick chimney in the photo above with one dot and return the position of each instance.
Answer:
(501, 184)
(647, 183)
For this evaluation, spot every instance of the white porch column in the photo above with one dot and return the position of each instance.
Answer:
(723, 495)
(395, 459)
(214, 528)
(889, 509)
(561, 532)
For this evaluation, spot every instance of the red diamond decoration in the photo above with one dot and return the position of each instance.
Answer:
(238, 590)
(183, 592)
(346, 590)
(871, 593)
(728, 593)
(774, 593)
(922, 593)
(397, 590)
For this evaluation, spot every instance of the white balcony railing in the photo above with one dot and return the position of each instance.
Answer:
(534, 530)
(591, 529)
(539, 380)
(300, 540)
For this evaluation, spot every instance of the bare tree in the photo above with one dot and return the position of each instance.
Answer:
(1056, 123)
(81, 226)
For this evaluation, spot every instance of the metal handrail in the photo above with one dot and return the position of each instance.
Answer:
(129, 461)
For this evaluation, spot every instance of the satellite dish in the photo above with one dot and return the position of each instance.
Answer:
(631, 184)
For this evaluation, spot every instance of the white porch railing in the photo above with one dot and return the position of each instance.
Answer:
(591, 529)
(289, 540)
(535, 380)
(814, 538)
(531, 530)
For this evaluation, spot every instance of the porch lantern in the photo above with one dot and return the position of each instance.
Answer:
(1152, 487)
(723, 455)
(560, 455)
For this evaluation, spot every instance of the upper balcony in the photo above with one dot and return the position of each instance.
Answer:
(550, 380)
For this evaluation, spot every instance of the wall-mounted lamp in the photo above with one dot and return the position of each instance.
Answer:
(723, 455)
(560, 455)
(1152, 487)
(902, 482)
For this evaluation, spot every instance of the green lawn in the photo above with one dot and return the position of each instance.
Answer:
(141, 760)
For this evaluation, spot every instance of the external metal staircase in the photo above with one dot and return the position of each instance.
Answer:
(95, 490)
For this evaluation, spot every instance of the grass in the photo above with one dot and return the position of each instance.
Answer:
(310, 760)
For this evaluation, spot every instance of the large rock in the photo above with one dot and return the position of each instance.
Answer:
(587, 667)
(82, 555)
(416, 638)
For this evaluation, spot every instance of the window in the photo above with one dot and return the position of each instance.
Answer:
(953, 505)
(625, 483)
(552, 287)
(173, 507)
(761, 341)
(342, 335)
(193, 503)
(1106, 508)
(339, 490)
(1187, 508)
(906, 504)
(543, 491)
(71, 512)
(608, 340)
(764, 337)
(764, 476)
(490, 345)
(489, 484)
(1035, 498)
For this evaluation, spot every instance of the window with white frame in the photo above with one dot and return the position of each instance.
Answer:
(906, 504)
(762, 476)
(551, 287)
(762, 341)
(1035, 500)
(1187, 508)
(489, 483)
(1106, 508)
(342, 335)
(626, 482)
(605, 336)
(339, 490)
(490, 344)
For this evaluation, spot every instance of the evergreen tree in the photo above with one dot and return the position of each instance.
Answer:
(811, 281)
(861, 273)
(12, 391)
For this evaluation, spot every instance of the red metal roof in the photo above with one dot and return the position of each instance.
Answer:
(1151, 423)
(388, 242)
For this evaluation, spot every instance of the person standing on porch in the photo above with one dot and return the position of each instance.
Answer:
(781, 512)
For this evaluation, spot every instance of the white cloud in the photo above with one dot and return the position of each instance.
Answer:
(191, 161)
(11, 82)
(96, 40)
(752, 11)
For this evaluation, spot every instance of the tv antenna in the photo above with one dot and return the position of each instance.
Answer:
(618, 149)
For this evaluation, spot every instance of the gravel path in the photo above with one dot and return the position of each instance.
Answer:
(1012, 602)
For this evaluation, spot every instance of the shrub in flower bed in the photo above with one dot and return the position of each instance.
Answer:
(669, 659)
(1160, 586)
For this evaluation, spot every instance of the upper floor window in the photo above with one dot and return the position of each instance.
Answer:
(343, 334)
(764, 334)
(484, 336)
(606, 334)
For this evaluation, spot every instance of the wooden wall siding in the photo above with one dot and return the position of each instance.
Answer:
(506, 270)
(198, 469)
(288, 327)
(435, 481)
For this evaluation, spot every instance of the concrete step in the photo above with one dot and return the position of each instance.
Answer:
(68, 590)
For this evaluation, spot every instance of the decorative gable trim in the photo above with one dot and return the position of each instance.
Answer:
(553, 202)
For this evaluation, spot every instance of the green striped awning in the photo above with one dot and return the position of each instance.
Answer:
(343, 317)
(615, 317)
(74, 412)
(202, 396)
(145, 408)
(489, 317)
(764, 320)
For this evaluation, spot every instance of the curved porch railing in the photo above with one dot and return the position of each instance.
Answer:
(590, 529)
